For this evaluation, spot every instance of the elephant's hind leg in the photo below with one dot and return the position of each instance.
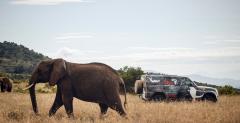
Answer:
(120, 110)
(57, 103)
(117, 105)
(103, 108)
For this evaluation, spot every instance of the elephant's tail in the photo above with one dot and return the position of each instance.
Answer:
(125, 93)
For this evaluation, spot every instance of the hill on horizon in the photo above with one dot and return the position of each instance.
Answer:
(18, 59)
(215, 81)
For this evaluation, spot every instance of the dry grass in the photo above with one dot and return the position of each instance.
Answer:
(15, 107)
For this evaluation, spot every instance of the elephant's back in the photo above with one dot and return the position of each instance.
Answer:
(92, 80)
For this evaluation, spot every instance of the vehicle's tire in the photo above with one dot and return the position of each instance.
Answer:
(138, 87)
(210, 97)
(159, 97)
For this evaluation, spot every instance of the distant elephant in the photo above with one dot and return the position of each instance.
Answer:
(93, 82)
(6, 84)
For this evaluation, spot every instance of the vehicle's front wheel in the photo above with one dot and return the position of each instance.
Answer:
(210, 97)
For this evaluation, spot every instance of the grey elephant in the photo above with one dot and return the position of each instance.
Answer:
(6, 84)
(93, 82)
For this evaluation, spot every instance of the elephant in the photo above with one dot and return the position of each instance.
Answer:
(92, 82)
(6, 84)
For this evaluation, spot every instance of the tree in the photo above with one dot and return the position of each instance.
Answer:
(130, 75)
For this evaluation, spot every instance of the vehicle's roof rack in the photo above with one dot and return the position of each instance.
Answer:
(161, 74)
(152, 73)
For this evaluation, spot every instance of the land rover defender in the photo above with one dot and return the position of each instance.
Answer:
(155, 86)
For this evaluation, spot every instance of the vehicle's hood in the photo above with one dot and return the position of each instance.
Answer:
(206, 88)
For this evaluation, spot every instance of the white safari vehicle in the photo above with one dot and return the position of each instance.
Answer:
(154, 86)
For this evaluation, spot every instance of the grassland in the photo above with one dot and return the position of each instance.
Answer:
(16, 107)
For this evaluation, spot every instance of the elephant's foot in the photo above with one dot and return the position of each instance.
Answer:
(103, 115)
(50, 114)
(103, 108)
(71, 116)
(122, 113)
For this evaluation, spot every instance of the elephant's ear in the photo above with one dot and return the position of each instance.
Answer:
(58, 71)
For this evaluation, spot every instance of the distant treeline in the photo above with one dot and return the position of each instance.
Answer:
(222, 90)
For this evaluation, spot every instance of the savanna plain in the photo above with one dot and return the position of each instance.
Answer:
(16, 107)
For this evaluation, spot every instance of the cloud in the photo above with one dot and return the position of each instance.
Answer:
(46, 2)
(173, 60)
(223, 42)
(68, 37)
(66, 52)
(73, 37)
(169, 56)
(76, 55)
(149, 54)
(150, 49)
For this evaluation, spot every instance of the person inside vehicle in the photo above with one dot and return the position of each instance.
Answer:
(168, 81)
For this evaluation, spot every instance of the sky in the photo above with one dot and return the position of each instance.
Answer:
(175, 36)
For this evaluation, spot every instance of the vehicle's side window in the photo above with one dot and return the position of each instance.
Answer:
(168, 81)
(186, 81)
(178, 82)
(174, 80)
(183, 81)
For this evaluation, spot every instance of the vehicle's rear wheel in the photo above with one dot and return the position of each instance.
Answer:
(210, 97)
(184, 97)
(138, 87)
(159, 97)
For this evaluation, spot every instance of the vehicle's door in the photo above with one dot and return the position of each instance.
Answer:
(183, 91)
(170, 87)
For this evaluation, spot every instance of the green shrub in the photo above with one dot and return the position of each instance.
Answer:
(227, 90)
(130, 75)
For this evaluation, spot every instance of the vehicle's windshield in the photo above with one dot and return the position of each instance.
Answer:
(187, 81)
(193, 83)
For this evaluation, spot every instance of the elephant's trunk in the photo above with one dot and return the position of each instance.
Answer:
(33, 96)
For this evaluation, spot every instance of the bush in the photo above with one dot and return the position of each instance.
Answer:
(227, 90)
(45, 88)
(130, 75)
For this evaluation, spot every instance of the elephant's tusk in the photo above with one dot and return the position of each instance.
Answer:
(29, 86)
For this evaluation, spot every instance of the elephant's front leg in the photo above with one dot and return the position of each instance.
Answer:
(67, 97)
(2, 88)
(68, 104)
(57, 102)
